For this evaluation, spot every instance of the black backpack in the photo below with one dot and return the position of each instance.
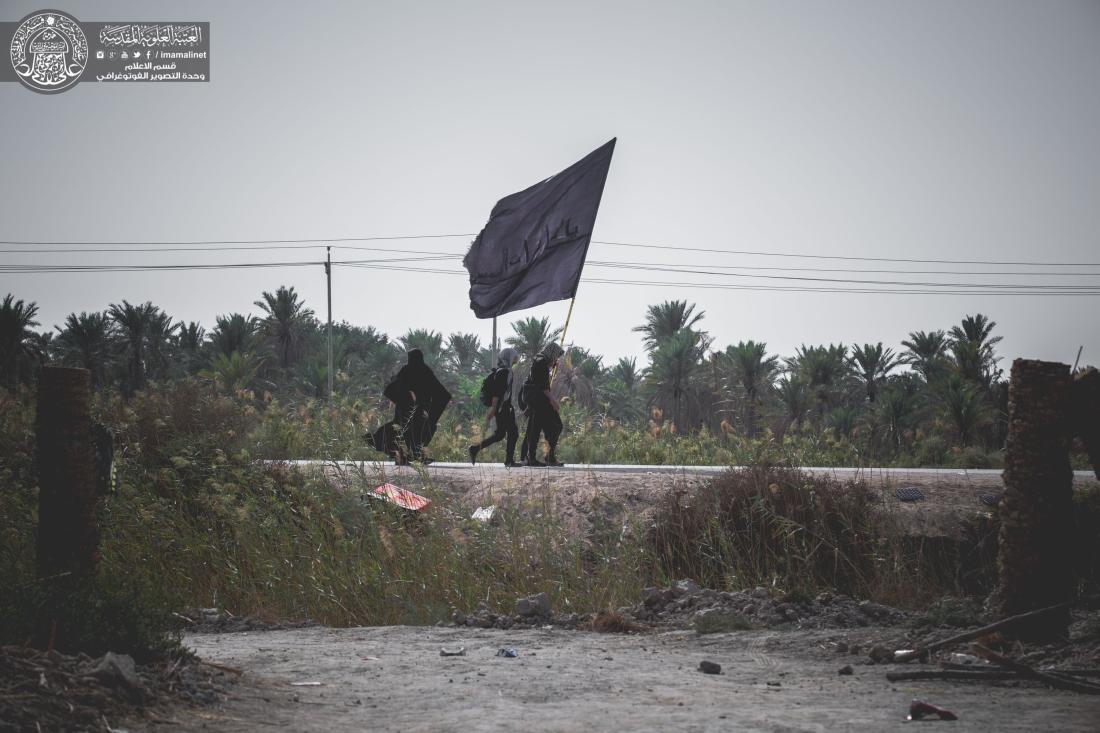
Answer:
(486, 394)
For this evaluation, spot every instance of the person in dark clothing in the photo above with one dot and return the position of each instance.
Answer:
(542, 409)
(419, 400)
(500, 387)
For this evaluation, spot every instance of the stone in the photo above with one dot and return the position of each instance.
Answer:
(881, 655)
(846, 670)
(719, 620)
(710, 667)
(536, 605)
(656, 598)
(117, 670)
(683, 588)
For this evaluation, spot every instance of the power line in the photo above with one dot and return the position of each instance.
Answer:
(323, 241)
(852, 258)
(774, 288)
(315, 241)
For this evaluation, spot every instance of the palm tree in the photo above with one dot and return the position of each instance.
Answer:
(665, 320)
(871, 363)
(673, 374)
(964, 408)
(794, 394)
(429, 342)
(161, 337)
(189, 339)
(896, 404)
(622, 390)
(134, 323)
(235, 371)
(972, 347)
(822, 367)
(233, 333)
(86, 342)
(287, 323)
(19, 347)
(462, 353)
(750, 372)
(532, 335)
(926, 352)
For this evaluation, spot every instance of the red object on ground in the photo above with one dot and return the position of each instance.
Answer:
(918, 709)
(401, 497)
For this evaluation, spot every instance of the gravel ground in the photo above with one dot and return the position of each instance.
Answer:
(394, 679)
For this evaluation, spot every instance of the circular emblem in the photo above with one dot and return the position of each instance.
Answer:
(49, 51)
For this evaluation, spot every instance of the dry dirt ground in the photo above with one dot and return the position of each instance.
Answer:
(394, 679)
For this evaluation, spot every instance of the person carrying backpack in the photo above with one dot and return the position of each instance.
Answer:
(496, 394)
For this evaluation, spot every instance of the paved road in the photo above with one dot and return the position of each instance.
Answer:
(839, 471)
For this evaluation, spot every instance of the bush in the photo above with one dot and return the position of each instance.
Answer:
(775, 526)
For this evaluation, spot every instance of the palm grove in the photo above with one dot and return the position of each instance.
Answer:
(941, 400)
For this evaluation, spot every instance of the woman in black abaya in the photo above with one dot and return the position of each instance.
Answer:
(419, 400)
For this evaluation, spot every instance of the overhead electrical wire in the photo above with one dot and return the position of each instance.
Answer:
(337, 241)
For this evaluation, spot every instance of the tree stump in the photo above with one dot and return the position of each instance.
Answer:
(68, 538)
(1036, 509)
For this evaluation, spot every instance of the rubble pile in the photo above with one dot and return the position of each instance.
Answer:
(54, 691)
(686, 605)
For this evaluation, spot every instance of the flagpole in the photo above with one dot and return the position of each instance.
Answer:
(493, 364)
(564, 330)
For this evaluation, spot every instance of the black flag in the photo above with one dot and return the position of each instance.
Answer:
(533, 248)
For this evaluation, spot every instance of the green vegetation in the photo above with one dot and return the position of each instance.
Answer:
(197, 518)
(941, 401)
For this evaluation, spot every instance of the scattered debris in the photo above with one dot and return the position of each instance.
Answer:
(55, 691)
(919, 710)
(485, 514)
(611, 622)
(909, 493)
(710, 667)
(307, 683)
(507, 652)
(975, 633)
(401, 497)
(453, 651)
(990, 499)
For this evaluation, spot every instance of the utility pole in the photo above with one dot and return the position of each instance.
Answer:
(328, 278)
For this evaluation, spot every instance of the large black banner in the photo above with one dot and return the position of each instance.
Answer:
(533, 248)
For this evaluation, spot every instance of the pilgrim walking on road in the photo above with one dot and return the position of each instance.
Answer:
(498, 390)
(542, 408)
(419, 400)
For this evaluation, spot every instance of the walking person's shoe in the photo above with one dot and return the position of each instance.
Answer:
(473, 454)
(511, 464)
(535, 463)
(553, 461)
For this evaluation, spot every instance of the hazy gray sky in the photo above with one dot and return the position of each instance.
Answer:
(926, 130)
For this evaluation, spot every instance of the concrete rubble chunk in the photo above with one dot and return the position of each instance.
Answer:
(117, 670)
